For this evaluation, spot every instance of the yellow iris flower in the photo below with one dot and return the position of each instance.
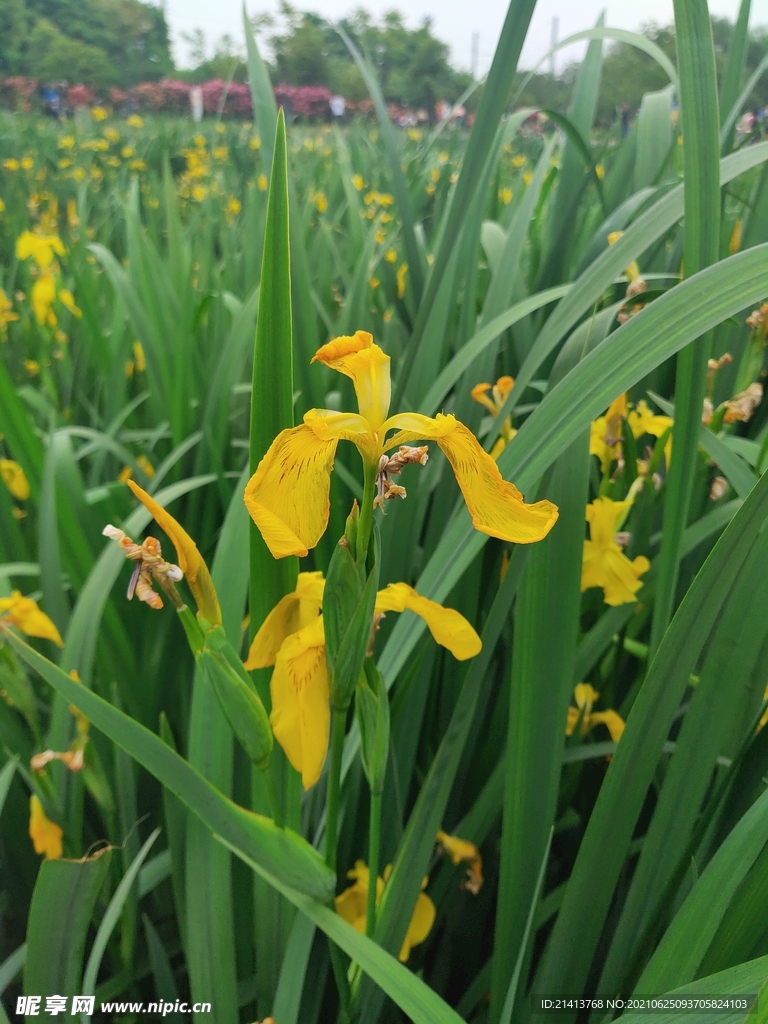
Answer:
(44, 833)
(23, 613)
(493, 404)
(352, 905)
(14, 479)
(605, 435)
(585, 696)
(288, 495)
(42, 297)
(642, 421)
(40, 247)
(292, 638)
(605, 564)
(7, 315)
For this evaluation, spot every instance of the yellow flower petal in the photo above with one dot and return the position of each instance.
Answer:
(368, 367)
(190, 561)
(424, 914)
(291, 613)
(585, 696)
(42, 295)
(461, 850)
(23, 613)
(610, 569)
(67, 299)
(44, 833)
(288, 495)
(496, 506)
(449, 628)
(301, 713)
(611, 719)
(14, 479)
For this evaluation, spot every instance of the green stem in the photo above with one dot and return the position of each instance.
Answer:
(338, 726)
(274, 796)
(365, 523)
(374, 844)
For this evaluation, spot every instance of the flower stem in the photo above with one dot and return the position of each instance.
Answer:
(338, 725)
(365, 523)
(274, 796)
(374, 843)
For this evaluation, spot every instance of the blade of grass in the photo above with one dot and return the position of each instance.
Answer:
(698, 101)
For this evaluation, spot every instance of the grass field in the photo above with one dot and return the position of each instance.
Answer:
(537, 722)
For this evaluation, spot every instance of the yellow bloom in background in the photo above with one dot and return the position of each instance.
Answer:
(220, 153)
(199, 192)
(390, 256)
(11, 164)
(7, 315)
(402, 270)
(44, 833)
(462, 850)
(292, 638)
(66, 298)
(505, 195)
(321, 202)
(632, 271)
(138, 357)
(288, 495)
(493, 403)
(42, 296)
(137, 165)
(99, 114)
(527, 177)
(232, 209)
(42, 248)
(585, 696)
(255, 142)
(2, 205)
(23, 613)
(67, 142)
(262, 182)
(112, 134)
(642, 421)
(32, 367)
(735, 243)
(518, 161)
(605, 564)
(606, 433)
(72, 219)
(14, 479)
(352, 905)
(134, 121)
(27, 163)
(357, 181)
(600, 171)
(127, 152)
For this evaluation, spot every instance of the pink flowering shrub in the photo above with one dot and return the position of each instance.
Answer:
(305, 100)
(79, 96)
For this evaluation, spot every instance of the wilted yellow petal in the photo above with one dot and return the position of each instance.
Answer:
(449, 628)
(23, 613)
(496, 506)
(288, 495)
(191, 562)
(291, 613)
(461, 850)
(301, 713)
(14, 479)
(368, 366)
(44, 833)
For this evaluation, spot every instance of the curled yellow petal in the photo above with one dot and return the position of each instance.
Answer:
(345, 426)
(291, 613)
(462, 850)
(23, 613)
(368, 367)
(14, 479)
(449, 627)
(45, 834)
(191, 562)
(611, 719)
(496, 506)
(288, 495)
(301, 713)
(352, 904)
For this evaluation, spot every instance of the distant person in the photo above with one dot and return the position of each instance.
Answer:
(196, 103)
(338, 107)
(51, 101)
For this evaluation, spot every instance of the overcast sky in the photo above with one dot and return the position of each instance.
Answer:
(455, 21)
